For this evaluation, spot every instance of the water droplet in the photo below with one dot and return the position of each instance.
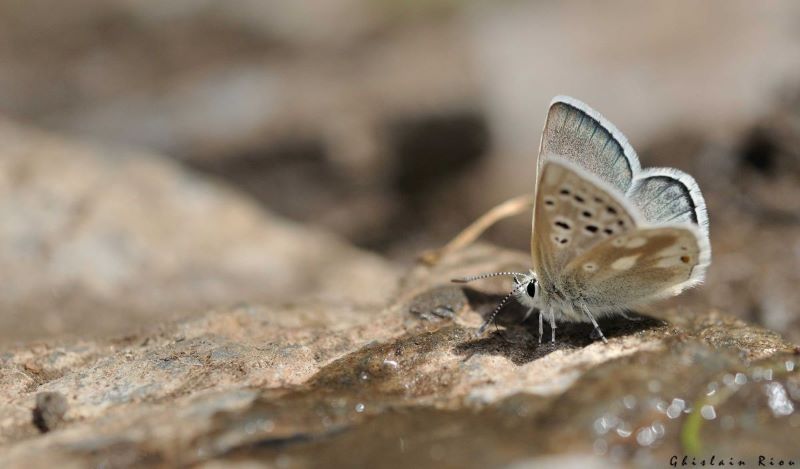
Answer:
(364, 375)
(360, 407)
(757, 374)
(605, 423)
(258, 425)
(624, 430)
(600, 447)
(728, 379)
(658, 429)
(778, 399)
(390, 363)
(740, 379)
(662, 406)
(768, 374)
(645, 436)
(712, 389)
(675, 408)
(267, 425)
(629, 401)
(708, 412)
(789, 365)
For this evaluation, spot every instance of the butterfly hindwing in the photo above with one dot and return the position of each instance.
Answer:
(574, 211)
(667, 195)
(642, 264)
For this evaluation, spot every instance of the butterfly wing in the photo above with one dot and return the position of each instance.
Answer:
(640, 265)
(667, 195)
(592, 244)
(601, 155)
(574, 211)
(577, 133)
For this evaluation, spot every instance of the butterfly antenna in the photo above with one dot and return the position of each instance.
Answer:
(482, 276)
(499, 307)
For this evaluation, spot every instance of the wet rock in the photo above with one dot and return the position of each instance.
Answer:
(107, 240)
(304, 385)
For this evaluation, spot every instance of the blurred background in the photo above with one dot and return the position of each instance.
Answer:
(391, 124)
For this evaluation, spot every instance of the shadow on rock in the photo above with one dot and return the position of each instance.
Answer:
(519, 341)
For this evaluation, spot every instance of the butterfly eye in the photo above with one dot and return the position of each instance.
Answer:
(531, 288)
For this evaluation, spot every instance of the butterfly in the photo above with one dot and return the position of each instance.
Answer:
(607, 235)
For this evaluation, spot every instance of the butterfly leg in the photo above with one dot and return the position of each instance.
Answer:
(541, 325)
(552, 325)
(509, 208)
(594, 323)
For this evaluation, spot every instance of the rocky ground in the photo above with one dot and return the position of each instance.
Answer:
(340, 359)
(208, 256)
(409, 383)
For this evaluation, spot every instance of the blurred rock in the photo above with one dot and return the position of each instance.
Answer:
(305, 386)
(98, 239)
(301, 109)
(376, 205)
(49, 411)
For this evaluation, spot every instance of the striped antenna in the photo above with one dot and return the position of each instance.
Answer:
(499, 307)
(482, 276)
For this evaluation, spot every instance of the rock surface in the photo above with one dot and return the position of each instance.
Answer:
(106, 240)
(153, 317)
(408, 384)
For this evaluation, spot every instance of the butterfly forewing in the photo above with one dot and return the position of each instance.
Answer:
(576, 133)
(642, 264)
(574, 211)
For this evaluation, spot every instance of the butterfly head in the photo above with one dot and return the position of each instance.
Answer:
(527, 290)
